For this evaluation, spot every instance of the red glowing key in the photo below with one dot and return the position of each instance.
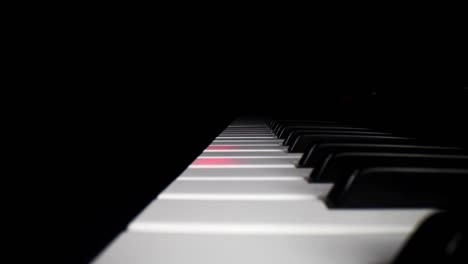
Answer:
(221, 147)
(215, 161)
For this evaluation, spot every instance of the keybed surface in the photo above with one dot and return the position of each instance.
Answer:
(244, 200)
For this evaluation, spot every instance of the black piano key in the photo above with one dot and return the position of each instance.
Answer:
(317, 154)
(292, 121)
(293, 136)
(271, 123)
(304, 142)
(398, 187)
(441, 238)
(281, 124)
(343, 164)
(286, 127)
(276, 123)
(286, 131)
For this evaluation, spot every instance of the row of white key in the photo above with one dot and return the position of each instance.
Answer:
(244, 201)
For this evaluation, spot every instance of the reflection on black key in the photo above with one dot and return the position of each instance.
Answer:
(284, 133)
(442, 238)
(293, 136)
(398, 187)
(280, 125)
(343, 164)
(317, 154)
(304, 142)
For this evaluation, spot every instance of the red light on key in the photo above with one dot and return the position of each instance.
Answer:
(215, 161)
(221, 147)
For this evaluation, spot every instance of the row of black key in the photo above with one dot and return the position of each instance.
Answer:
(373, 169)
(355, 157)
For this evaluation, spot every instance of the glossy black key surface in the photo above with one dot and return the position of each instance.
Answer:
(281, 128)
(284, 133)
(441, 238)
(275, 122)
(292, 121)
(281, 124)
(344, 164)
(304, 142)
(398, 187)
(317, 154)
(293, 136)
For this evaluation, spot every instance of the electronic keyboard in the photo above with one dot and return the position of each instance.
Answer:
(296, 192)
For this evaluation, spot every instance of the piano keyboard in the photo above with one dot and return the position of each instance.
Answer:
(245, 199)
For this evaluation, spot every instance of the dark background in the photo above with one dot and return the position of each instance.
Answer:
(126, 113)
(120, 154)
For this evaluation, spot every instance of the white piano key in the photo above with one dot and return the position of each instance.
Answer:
(216, 162)
(251, 154)
(259, 134)
(243, 137)
(242, 178)
(247, 131)
(250, 125)
(246, 141)
(248, 121)
(244, 156)
(299, 217)
(244, 134)
(246, 173)
(263, 134)
(245, 148)
(247, 144)
(143, 248)
(235, 166)
(243, 190)
(246, 126)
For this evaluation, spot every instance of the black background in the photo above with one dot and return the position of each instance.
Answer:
(120, 154)
(126, 113)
